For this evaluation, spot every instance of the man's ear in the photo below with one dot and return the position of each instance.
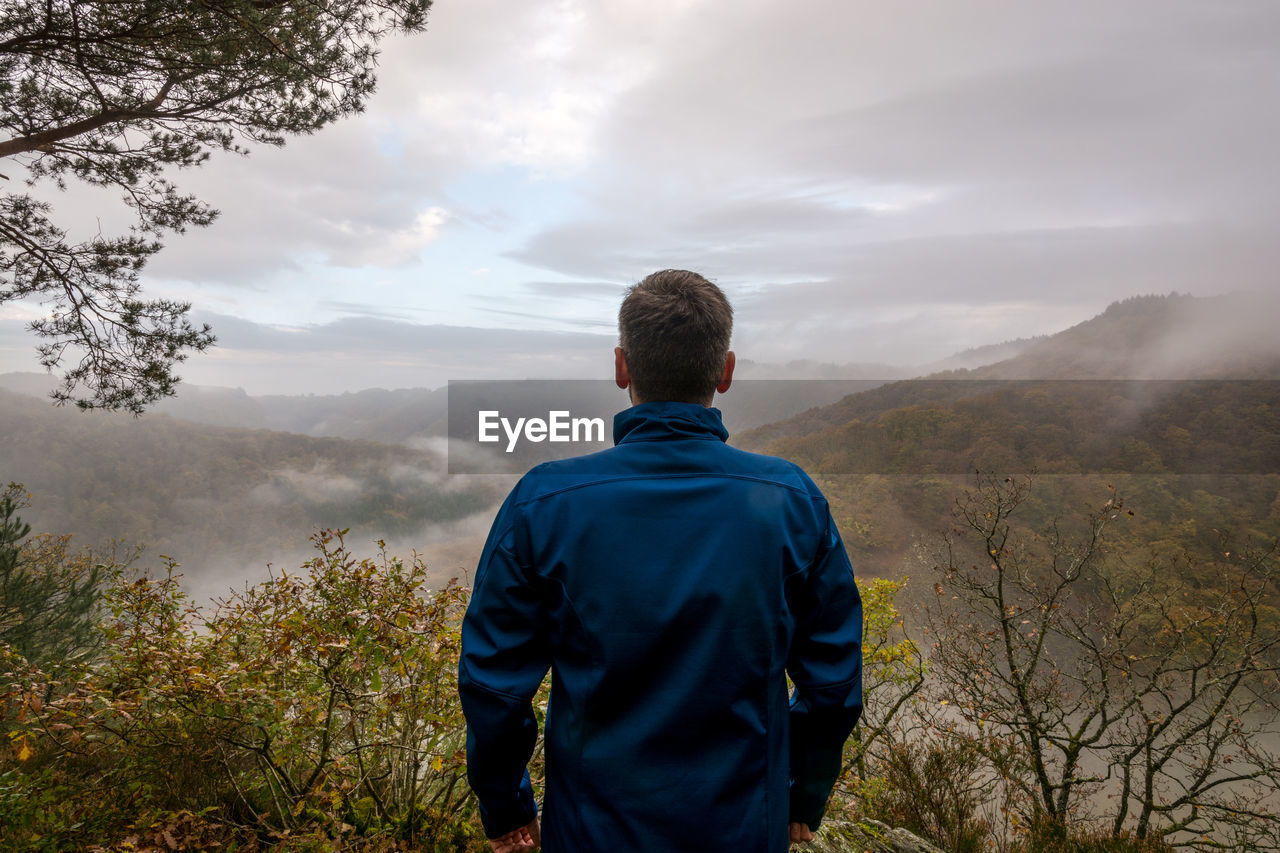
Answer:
(727, 379)
(620, 373)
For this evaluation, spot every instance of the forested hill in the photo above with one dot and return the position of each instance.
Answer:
(1170, 337)
(1198, 458)
(223, 501)
(1157, 337)
(411, 416)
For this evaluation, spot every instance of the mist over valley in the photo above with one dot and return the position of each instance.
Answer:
(226, 482)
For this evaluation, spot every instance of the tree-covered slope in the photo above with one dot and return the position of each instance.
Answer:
(213, 496)
(1170, 337)
(1196, 450)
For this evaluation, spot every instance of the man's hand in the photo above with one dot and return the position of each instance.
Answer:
(523, 839)
(800, 832)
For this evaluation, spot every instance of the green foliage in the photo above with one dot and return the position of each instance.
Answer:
(894, 671)
(117, 95)
(318, 710)
(48, 595)
(890, 657)
(365, 665)
(1105, 682)
(312, 711)
(920, 427)
(904, 765)
(934, 786)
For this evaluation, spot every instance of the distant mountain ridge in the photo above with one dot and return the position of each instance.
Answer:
(218, 477)
(1169, 337)
(983, 355)
(1158, 337)
(1198, 454)
(222, 499)
(393, 417)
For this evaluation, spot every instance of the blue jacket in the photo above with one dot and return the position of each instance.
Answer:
(670, 584)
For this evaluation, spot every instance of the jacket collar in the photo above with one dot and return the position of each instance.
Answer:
(660, 421)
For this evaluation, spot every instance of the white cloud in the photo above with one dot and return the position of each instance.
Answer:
(860, 175)
(376, 351)
(364, 245)
(988, 168)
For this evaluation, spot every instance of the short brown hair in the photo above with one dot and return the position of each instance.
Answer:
(674, 330)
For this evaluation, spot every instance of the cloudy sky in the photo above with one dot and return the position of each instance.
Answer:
(870, 181)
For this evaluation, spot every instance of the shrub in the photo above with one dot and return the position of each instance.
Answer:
(315, 708)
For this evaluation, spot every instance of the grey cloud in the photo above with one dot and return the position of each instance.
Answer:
(373, 333)
(1120, 133)
(859, 176)
(605, 322)
(333, 197)
(851, 167)
(932, 296)
(361, 352)
(576, 289)
(367, 310)
(348, 195)
(1092, 265)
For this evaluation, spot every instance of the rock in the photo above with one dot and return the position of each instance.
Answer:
(864, 836)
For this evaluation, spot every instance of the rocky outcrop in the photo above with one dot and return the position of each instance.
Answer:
(864, 836)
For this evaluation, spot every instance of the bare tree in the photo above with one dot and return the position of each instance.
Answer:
(1111, 679)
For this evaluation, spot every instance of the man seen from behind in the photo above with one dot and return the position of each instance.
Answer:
(670, 584)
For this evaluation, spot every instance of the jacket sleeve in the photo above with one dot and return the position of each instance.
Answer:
(505, 655)
(825, 665)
